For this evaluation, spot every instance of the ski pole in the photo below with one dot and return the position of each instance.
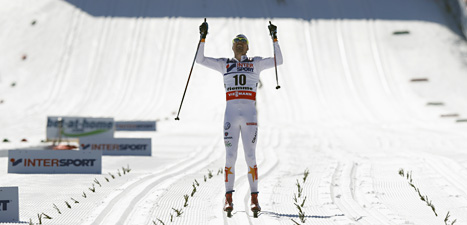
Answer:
(275, 63)
(189, 76)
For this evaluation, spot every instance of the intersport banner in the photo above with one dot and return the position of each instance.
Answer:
(117, 146)
(135, 125)
(54, 161)
(73, 128)
(9, 204)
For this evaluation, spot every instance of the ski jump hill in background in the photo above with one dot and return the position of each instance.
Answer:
(369, 126)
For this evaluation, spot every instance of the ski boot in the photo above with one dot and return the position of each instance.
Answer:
(255, 208)
(228, 206)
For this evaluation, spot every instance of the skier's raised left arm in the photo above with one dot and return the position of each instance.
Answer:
(213, 63)
(267, 63)
(278, 52)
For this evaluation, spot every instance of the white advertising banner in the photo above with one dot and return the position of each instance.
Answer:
(73, 128)
(135, 125)
(117, 146)
(9, 204)
(54, 161)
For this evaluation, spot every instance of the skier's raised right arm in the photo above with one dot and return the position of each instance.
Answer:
(213, 63)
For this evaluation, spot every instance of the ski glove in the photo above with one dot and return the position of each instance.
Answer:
(272, 31)
(203, 30)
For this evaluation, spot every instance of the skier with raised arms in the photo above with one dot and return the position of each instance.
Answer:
(241, 78)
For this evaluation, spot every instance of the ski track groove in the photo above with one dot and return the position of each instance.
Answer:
(344, 196)
(146, 110)
(454, 175)
(114, 103)
(201, 202)
(106, 213)
(319, 79)
(321, 84)
(450, 171)
(389, 191)
(135, 211)
(356, 95)
(242, 185)
(124, 93)
(373, 206)
(150, 108)
(97, 63)
(346, 193)
(310, 40)
(377, 59)
(168, 56)
(347, 202)
(160, 87)
(63, 64)
(318, 202)
(385, 76)
(171, 59)
(380, 68)
(131, 68)
(376, 196)
(336, 195)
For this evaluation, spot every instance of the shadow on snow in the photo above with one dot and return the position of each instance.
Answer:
(279, 215)
(420, 10)
(299, 9)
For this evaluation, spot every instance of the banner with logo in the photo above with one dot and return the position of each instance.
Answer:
(135, 125)
(117, 146)
(50, 161)
(9, 204)
(73, 128)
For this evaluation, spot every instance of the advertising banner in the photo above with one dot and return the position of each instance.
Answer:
(135, 125)
(9, 204)
(73, 128)
(117, 146)
(54, 161)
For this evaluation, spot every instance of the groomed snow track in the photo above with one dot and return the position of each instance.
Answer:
(347, 111)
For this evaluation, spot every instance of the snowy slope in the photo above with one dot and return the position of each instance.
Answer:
(347, 110)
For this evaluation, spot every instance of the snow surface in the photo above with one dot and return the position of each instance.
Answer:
(347, 110)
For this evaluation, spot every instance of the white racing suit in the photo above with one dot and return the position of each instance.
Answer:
(241, 79)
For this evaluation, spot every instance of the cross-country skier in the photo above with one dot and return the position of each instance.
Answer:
(241, 78)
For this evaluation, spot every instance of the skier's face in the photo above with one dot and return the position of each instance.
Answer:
(240, 47)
